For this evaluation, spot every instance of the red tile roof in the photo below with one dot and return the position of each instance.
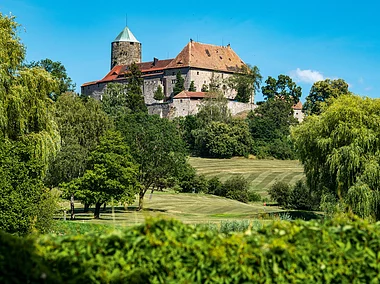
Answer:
(207, 56)
(194, 95)
(297, 105)
(194, 54)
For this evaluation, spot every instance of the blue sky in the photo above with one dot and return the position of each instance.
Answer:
(309, 40)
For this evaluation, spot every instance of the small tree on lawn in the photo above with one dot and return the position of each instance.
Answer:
(111, 174)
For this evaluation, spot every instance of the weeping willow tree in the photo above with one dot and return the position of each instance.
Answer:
(26, 112)
(340, 151)
(28, 136)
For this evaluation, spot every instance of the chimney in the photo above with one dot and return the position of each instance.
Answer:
(155, 60)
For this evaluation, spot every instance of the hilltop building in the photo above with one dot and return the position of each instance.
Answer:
(197, 62)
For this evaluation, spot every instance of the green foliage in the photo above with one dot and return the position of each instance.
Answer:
(192, 87)
(246, 83)
(179, 84)
(167, 251)
(339, 149)
(81, 122)
(222, 140)
(300, 197)
(280, 192)
(157, 147)
(58, 71)
(135, 99)
(159, 94)
(237, 188)
(23, 195)
(204, 88)
(194, 184)
(322, 93)
(213, 108)
(269, 125)
(253, 196)
(283, 89)
(111, 174)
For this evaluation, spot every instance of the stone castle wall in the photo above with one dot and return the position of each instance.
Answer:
(125, 53)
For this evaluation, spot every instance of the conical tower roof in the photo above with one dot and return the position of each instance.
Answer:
(126, 35)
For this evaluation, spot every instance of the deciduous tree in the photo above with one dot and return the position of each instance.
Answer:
(156, 146)
(340, 151)
(283, 88)
(321, 94)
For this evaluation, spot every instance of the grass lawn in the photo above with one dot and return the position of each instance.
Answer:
(202, 208)
(261, 174)
(187, 207)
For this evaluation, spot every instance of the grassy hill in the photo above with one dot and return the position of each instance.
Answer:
(261, 174)
(202, 208)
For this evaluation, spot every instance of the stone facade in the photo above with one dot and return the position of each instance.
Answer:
(197, 62)
(125, 53)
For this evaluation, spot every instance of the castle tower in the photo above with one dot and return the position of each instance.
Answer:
(125, 49)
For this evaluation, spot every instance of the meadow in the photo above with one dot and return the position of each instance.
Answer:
(261, 174)
(202, 208)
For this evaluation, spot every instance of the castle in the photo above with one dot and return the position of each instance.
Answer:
(197, 62)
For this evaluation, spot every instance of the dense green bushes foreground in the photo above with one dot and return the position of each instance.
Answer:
(161, 251)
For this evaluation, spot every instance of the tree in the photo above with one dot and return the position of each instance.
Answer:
(81, 123)
(236, 188)
(269, 125)
(321, 94)
(135, 99)
(156, 146)
(340, 151)
(246, 82)
(213, 108)
(114, 100)
(28, 132)
(58, 71)
(192, 87)
(111, 174)
(179, 84)
(159, 94)
(283, 88)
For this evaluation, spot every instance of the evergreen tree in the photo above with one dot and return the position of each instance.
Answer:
(135, 99)
(192, 87)
(179, 84)
(158, 94)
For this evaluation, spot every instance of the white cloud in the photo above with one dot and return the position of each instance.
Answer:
(306, 76)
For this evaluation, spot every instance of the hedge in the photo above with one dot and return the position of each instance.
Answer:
(168, 251)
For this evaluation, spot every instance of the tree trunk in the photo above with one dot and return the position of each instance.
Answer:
(141, 200)
(97, 210)
(104, 206)
(72, 217)
(86, 207)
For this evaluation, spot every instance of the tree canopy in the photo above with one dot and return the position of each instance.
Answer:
(322, 93)
(111, 174)
(157, 147)
(340, 150)
(282, 88)
(246, 83)
(58, 71)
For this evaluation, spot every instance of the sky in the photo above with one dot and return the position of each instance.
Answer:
(307, 40)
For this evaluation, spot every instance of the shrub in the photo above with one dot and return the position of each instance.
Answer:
(280, 192)
(194, 184)
(236, 188)
(300, 197)
(215, 186)
(167, 251)
(254, 196)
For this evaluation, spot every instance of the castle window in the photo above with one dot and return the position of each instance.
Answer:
(198, 73)
(173, 73)
(174, 81)
(205, 82)
(132, 43)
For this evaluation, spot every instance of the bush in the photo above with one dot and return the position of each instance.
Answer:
(194, 184)
(215, 186)
(167, 251)
(237, 188)
(253, 196)
(280, 192)
(300, 197)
